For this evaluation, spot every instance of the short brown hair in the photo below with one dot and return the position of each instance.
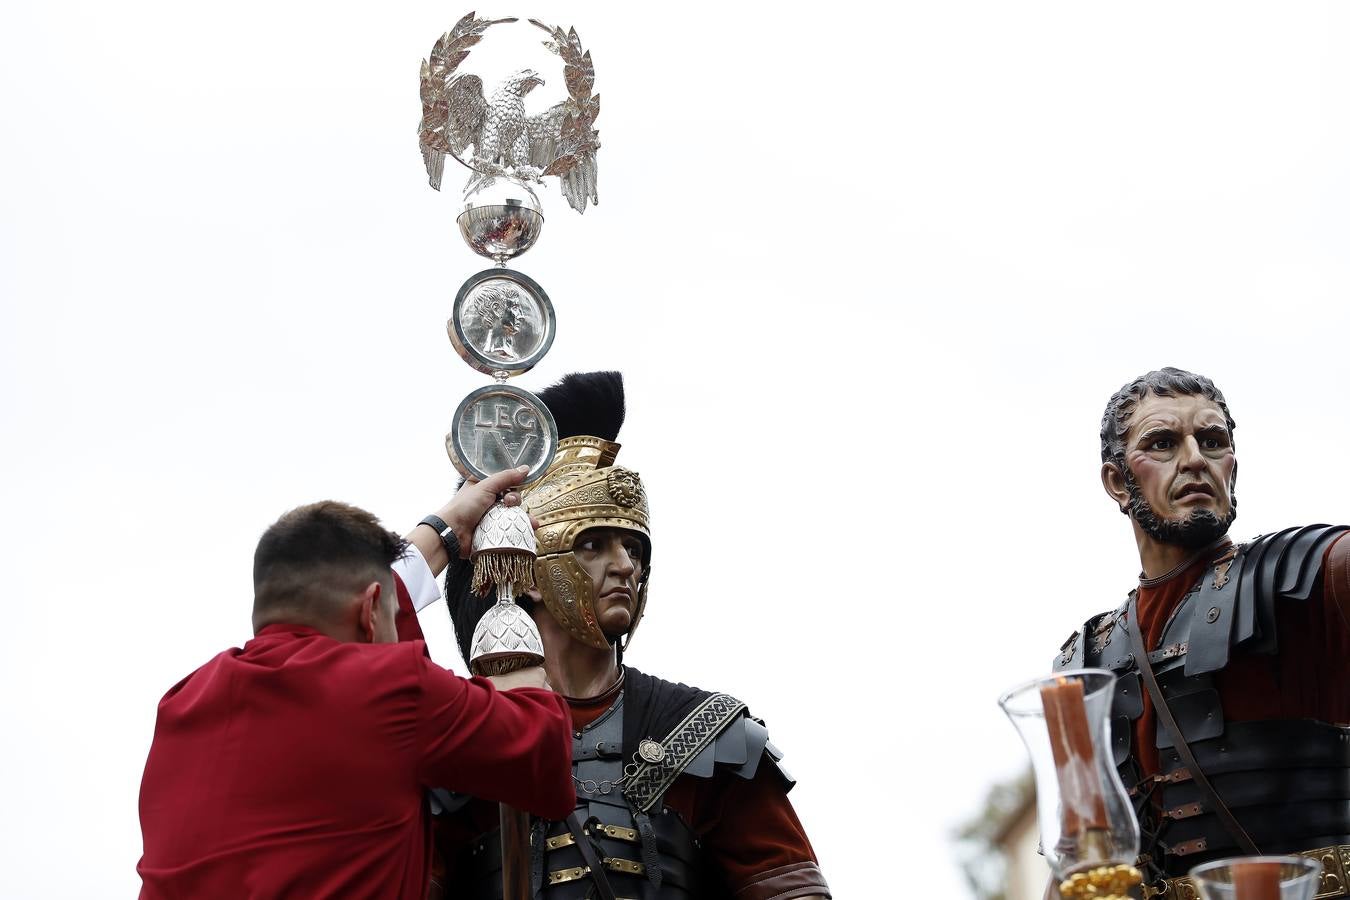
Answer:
(318, 552)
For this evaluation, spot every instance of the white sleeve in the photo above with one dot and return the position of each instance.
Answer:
(416, 575)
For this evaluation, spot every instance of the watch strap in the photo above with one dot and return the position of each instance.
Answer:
(448, 539)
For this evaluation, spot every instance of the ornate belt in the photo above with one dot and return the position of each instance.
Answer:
(1335, 877)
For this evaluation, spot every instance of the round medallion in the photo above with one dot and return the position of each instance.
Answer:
(499, 427)
(625, 487)
(651, 751)
(502, 322)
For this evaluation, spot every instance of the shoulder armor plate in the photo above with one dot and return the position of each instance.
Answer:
(1083, 649)
(1233, 603)
(1280, 566)
(1069, 652)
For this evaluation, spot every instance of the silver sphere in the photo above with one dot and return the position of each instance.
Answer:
(501, 220)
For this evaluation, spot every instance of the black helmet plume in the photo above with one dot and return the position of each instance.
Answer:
(587, 403)
(581, 403)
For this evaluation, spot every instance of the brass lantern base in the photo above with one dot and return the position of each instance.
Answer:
(1101, 883)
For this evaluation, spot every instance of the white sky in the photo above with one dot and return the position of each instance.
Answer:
(871, 276)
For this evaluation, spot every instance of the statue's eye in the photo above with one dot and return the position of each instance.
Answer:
(1215, 440)
(1162, 443)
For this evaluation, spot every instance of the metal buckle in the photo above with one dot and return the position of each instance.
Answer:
(558, 842)
(1186, 848)
(1184, 812)
(1335, 870)
(613, 863)
(1149, 891)
(617, 832)
(627, 866)
(620, 833)
(562, 876)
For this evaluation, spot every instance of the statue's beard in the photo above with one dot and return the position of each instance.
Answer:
(1197, 529)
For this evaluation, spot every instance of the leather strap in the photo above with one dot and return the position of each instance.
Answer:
(1169, 723)
(578, 829)
(538, 834)
(650, 858)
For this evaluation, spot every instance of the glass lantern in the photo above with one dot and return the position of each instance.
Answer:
(1089, 833)
(1258, 878)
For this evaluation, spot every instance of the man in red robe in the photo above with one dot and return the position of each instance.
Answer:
(1248, 645)
(299, 765)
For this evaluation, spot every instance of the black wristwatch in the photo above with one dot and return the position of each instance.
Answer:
(448, 539)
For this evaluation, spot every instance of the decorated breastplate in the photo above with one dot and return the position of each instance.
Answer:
(1286, 782)
(643, 856)
(646, 851)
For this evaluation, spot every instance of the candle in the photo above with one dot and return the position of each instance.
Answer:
(1256, 881)
(1083, 806)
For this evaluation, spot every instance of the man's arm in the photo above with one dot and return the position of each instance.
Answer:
(462, 514)
(513, 746)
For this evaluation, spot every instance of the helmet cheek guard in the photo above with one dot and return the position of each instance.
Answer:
(570, 596)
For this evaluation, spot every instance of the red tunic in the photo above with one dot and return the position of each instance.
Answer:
(1306, 680)
(297, 767)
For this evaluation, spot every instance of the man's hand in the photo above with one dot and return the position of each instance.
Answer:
(467, 507)
(533, 677)
(463, 513)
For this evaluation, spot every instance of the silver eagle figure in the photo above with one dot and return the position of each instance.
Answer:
(561, 141)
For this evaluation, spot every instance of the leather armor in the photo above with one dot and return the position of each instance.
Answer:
(647, 851)
(1286, 782)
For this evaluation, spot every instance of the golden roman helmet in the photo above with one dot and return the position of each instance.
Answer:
(584, 489)
(581, 489)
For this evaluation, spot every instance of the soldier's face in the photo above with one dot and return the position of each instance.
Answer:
(613, 557)
(1180, 456)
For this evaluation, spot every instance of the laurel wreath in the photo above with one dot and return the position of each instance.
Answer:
(578, 139)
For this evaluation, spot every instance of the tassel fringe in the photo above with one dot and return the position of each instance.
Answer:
(503, 665)
(494, 567)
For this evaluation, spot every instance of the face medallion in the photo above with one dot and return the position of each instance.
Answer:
(502, 322)
(625, 487)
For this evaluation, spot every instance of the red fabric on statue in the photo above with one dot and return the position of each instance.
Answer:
(747, 828)
(1305, 680)
(298, 765)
